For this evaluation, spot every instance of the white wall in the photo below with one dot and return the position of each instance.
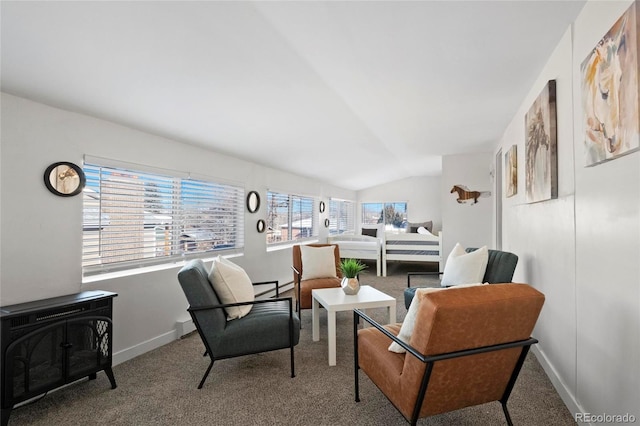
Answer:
(422, 195)
(42, 233)
(607, 253)
(466, 223)
(582, 249)
(542, 234)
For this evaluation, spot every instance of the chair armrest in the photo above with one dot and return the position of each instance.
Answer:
(357, 314)
(269, 282)
(439, 357)
(255, 302)
(295, 271)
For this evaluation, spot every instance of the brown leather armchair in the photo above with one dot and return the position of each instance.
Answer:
(303, 287)
(466, 349)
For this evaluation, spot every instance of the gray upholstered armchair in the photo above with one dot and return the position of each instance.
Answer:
(270, 325)
(500, 268)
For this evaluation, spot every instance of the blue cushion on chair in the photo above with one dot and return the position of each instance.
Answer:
(259, 331)
(500, 269)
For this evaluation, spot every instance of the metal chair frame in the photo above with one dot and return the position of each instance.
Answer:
(432, 359)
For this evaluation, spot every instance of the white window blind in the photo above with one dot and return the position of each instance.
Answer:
(134, 218)
(341, 217)
(290, 217)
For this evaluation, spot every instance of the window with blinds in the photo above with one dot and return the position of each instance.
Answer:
(341, 216)
(290, 217)
(134, 218)
(393, 215)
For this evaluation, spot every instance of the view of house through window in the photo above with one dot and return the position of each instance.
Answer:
(133, 218)
(393, 215)
(290, 217)
(341, 216)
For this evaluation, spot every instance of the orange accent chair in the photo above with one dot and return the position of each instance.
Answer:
(303, 287)
(467, 348)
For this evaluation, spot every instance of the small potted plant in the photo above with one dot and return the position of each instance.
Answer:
(350, 270)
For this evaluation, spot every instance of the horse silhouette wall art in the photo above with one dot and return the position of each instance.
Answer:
(465, 195)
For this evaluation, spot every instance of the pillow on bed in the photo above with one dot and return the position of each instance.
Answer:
(463, 267)
(413, 227)
(424, 231)
(370, 232)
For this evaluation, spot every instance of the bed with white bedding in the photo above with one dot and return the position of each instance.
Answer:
(363, 247)
(414, 247)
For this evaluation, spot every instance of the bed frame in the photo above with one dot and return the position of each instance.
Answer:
(361, 247)
(411, 247)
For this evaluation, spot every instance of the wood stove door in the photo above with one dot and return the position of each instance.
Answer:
(89, 345)
(35, 362)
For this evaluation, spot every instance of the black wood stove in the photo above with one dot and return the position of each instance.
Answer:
(49, 343)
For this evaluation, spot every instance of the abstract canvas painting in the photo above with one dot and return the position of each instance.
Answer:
(610, 92)
(541, 159)
(511, 171)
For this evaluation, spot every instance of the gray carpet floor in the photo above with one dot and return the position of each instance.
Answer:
(160, 387)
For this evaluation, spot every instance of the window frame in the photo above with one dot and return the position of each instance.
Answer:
(290, 198)
(341, 211)
(384, 205)
(178, 202)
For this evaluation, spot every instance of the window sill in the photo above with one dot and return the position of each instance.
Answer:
(288, 245)
(145, 269)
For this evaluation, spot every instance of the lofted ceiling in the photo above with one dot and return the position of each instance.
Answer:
(353, 93)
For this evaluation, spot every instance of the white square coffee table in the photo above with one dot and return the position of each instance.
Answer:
(334, 300)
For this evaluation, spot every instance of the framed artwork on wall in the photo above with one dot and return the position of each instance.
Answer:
(511, 172)
(253, 201)
(541, 157)
(610, 92)
(64, 179)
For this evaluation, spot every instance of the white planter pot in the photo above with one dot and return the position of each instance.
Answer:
(350, 286)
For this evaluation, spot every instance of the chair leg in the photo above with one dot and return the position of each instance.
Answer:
(205, 375)
(356, 367)
(357, 386)
(293, 369)
(299, 306)
(506, 413)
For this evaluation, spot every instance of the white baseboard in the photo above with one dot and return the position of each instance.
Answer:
(184, 326)
(565, 394)
(149, 345)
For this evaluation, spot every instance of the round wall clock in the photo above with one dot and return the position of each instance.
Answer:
(326, 223)
(322, 206)
(64, 179)
(260, 226)
(253, 201)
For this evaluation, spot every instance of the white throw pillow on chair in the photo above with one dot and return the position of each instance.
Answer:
(232, 285)
(318, 262)
(406, 330)
(465, 268)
